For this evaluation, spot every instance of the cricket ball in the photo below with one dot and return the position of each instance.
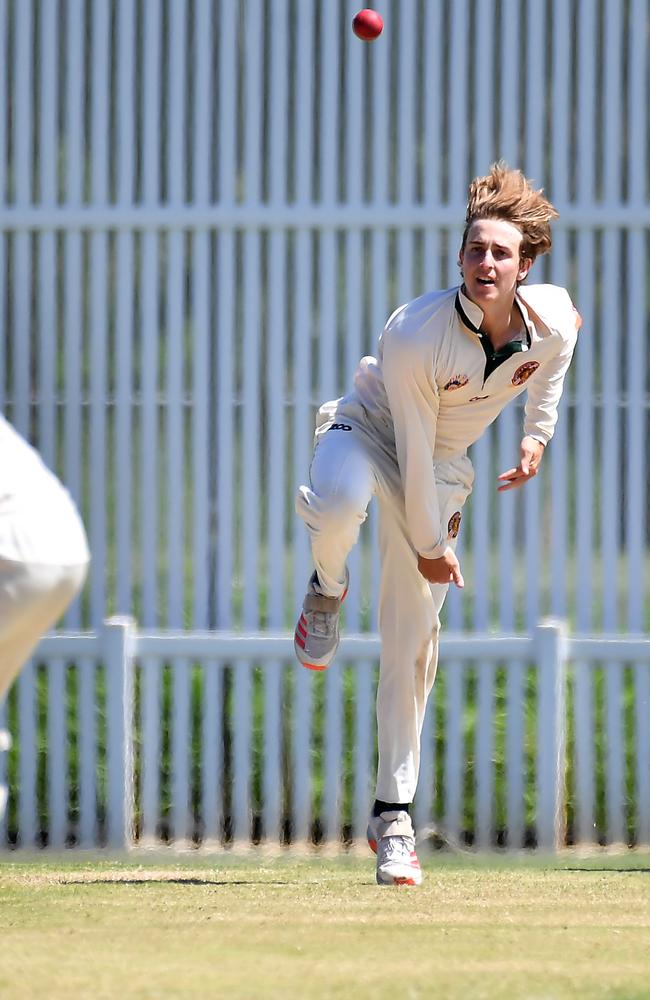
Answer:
(367, 24)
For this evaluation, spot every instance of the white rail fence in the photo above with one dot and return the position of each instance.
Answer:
(186, 184)
(127, 738)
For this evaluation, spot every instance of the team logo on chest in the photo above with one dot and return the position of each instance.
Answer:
(454, 525)
(457, 382)
(524, 372)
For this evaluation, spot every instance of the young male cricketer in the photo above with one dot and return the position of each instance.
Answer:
(43, 557)
(448, 363)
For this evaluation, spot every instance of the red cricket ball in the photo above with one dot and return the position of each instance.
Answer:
(367, 24)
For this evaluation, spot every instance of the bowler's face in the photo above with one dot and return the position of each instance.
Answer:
(491, 262)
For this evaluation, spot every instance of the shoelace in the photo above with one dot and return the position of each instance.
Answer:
(322, 623)
(397, 849)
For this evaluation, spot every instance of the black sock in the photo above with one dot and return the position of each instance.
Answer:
(383, 807)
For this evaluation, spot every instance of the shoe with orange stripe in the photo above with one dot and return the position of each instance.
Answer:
(316, 638)
(392, 838)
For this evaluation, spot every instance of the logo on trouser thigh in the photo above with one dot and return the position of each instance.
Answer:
(454, 525)
(340, 427)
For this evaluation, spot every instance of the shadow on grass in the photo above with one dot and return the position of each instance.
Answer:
(170, 881)
(610, 871)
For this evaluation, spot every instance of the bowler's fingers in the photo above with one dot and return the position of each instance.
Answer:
(514, 478)
(457, 576)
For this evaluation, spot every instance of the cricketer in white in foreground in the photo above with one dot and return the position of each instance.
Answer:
(43, 556)
(448, 363)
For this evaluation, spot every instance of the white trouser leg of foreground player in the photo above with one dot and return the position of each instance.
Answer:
(32, 599)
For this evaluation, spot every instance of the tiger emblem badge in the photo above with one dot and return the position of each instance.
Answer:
(454, 525)
(524, 372)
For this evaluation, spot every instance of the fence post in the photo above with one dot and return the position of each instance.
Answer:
(550, 650)
(118, 635)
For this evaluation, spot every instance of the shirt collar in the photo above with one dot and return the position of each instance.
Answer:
(470, 311)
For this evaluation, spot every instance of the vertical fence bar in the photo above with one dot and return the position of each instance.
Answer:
(73, 284)
(181, 821)
(273, 799)
(212, 743)
(200, 324)
(405, 138)
(27, 760)
(46, 295)
(534, 157)
(87, 751)
(124, 263)
(98, 311)
(560, 104)
(457, 87)
(483, 57)
(21, 318)
(454, 764)
(149, 479)
(550, 649)
(174, 320)
(333, 753)
(251, 376)
(117, 644)
(225, 284)
(151, 676)
(610, 469)
(241, 734)
(636, 519)
(584, 768)
(364, 742)
(57, 757)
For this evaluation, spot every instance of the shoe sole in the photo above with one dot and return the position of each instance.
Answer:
(400, 880)
(299, 651)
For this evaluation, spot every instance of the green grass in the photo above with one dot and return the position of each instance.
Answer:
(260, 927)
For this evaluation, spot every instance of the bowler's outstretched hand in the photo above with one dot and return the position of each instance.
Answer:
(446, 569)
(531, 456)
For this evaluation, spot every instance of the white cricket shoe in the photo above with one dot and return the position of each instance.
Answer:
(392, 838)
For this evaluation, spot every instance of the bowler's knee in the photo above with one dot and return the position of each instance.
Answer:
(336, 513)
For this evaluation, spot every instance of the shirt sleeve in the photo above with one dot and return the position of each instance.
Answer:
(414, 403)
(545, 392)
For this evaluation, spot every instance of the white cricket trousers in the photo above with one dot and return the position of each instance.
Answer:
(352, 462)
(32, 599)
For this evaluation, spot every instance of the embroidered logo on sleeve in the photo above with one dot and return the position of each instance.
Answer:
(457, 382)
(454, 525)
(524, 372)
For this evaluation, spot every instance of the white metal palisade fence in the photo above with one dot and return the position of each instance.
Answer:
(249, 767)
(209, 207)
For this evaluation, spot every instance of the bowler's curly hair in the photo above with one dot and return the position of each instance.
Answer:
(506, 194)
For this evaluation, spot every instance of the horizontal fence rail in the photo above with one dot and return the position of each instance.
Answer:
(128, 738)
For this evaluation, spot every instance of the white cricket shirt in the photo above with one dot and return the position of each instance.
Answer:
(39, 523)
(432, 388)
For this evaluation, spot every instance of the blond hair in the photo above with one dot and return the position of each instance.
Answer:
(507, 195)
